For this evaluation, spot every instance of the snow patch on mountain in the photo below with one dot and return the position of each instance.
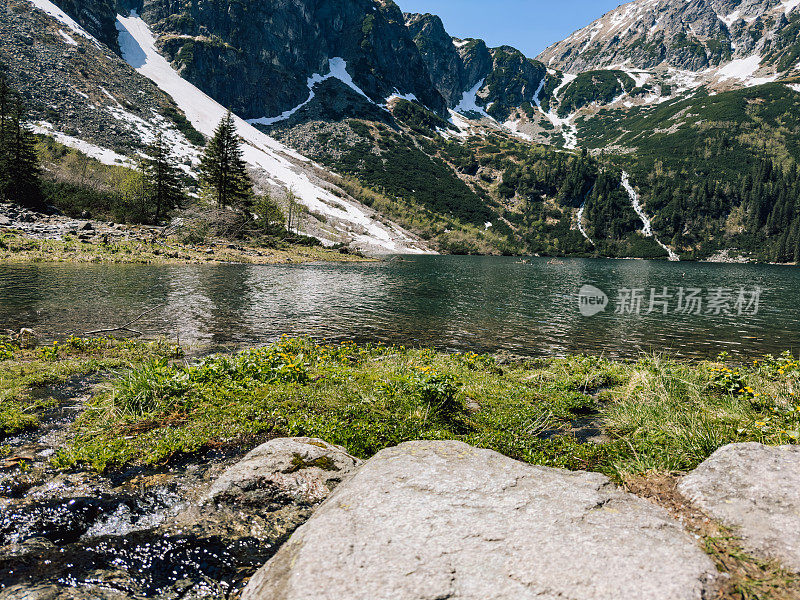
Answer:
(789, 6)
(647, 230)
(63, 18)
(104, 155)
(513, 127)
(463, 126)
(469, 101)
(338, 70)
(138, 46)
(398, 96)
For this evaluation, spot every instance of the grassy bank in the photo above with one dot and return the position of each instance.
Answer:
(15, 246)
(27, 374)
(621, 418)
(642, 422)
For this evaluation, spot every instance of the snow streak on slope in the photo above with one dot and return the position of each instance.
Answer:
(565, 126)
(338, 70)
(581, 210)
(580, 224)
(63, 18)
(261, 151)
(104, 155)
(647, 231)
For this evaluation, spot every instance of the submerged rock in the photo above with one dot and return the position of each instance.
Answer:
(756, 490)
(429, 520)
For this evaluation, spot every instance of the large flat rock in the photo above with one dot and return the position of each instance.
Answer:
(756, 490)
(435, 520)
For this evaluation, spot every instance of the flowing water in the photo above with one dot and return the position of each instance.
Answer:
(450, 302)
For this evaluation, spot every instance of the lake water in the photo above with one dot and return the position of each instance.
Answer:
(450, 302)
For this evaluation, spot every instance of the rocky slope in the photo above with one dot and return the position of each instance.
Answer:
(692, 36)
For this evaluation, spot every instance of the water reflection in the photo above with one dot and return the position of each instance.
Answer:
(474, 303)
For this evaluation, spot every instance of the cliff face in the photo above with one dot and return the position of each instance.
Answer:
(445, 65)
(95, 16)
(510, 79)
(256, 57)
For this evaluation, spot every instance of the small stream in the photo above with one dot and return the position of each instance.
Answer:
(136, 534)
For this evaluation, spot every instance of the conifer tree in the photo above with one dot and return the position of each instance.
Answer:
(163, 178)
(19, 163)
(222, 169)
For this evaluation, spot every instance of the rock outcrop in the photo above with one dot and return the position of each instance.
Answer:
(754, 489)
(429, 520)
(270, 492)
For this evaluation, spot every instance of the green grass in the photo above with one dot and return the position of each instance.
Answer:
(660, 415)
(26, 372)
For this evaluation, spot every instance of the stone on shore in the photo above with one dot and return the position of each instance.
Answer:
(755, 490)
(434, 520)
(271, 491)
(303, 469)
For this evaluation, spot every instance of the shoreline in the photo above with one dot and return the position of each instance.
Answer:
(18, 247)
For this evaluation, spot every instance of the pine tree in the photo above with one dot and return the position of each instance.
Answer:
(19, 163)
(222, 169)
(5, 133)
(165, 189)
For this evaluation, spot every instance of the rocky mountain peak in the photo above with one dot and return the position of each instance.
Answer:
(692, 35)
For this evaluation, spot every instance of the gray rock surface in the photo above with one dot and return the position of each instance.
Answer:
(270, 492)
(756, 490)
(305, 469)
(428, 520)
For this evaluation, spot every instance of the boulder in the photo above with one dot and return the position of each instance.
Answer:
(270, 492)
(754, 489)
(303, 469)
(428, 520)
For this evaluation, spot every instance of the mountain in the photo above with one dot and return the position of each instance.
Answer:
(760, 37)
(469, 75)
(83, 94)
(258, 57)
(398, 137)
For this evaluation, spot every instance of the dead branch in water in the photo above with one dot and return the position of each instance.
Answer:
(126, 326)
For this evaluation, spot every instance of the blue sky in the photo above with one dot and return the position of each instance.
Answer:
(530, 25)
